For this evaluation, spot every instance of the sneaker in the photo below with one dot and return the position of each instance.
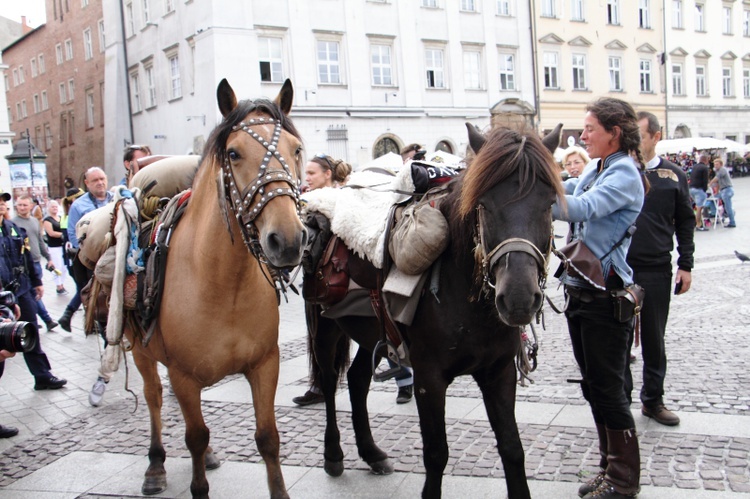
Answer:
(661, 415)
(97, 392)
(730, 226)
(309, 398)
(62, 291)
(702, 229)
(405, 393)
(51, 383)
(51, 324)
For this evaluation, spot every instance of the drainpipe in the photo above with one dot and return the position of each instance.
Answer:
(535, 75)
(127, 67)
(664, 64)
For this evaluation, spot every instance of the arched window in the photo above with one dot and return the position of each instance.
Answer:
(444, 146)
(384, 146)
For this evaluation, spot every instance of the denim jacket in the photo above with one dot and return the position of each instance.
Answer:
(603, 205)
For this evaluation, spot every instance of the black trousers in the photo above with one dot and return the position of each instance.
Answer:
(654, 315)
(36, 360)
(601, 349)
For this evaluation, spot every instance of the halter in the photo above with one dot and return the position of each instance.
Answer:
(240, 202)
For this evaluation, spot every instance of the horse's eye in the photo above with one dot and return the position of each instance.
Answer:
(233, 156)
(298, 151)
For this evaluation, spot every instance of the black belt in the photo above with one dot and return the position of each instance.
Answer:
(587, 295)
(727, 187)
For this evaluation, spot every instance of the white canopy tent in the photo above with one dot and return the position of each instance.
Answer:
(675, 146)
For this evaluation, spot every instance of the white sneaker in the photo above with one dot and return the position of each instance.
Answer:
(97, 392)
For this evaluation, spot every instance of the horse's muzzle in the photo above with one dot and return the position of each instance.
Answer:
(284, 248)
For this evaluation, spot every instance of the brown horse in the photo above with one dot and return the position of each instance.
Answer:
(219, 312)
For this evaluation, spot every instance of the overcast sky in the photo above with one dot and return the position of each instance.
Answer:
(33, 10)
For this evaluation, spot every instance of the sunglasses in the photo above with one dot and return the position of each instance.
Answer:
(325, 158)
(137, 148)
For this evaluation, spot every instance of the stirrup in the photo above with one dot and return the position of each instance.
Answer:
(389, 354)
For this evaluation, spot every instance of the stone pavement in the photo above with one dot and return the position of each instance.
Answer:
(67, 449)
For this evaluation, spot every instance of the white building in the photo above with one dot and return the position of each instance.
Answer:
(369, 75)
(6, 136)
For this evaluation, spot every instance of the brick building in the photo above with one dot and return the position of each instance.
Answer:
(54, 84)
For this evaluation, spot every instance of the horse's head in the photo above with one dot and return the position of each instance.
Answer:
(507, 193)
(258, 152)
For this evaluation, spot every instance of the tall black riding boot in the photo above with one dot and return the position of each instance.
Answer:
(595, 481)
(64, 321)
(622, 479)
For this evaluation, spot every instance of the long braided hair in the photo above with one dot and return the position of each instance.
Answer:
(613, 112)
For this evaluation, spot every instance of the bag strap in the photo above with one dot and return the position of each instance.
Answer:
(628, 233)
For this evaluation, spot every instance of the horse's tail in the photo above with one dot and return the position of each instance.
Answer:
(341, 357)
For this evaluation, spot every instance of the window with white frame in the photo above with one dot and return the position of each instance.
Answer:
(36, 103)
(746, 23)
(19, 116)
(435, 68)
(746, 83)
(430, 3)
(135, 93)
(146, 11)
(615, 74)
(700, 81)
(576, 10)
(23, 109)
(329, 64)
(644, 14)
(71, 89)
(59, 53)
(100, 25)
(90, 112)
(47, 136)
(677, 14)
(63, 93)
(88, 45)
(699, 17)
(381, 65)
(270, 60)
(507, 70)
(726, 20)
(175, 90)
(548, 8)
(613, 12)
(34, 69)
(150, 86)
(42, 65)
(468, 6)
(168, 6)
(551, 63)
(84, 3)
(21, 78)
(726, 82)
(15, 77)
(579, 71)
(472, 70)
(644, 74)
(129, 20)
(677, 86)
(503, 8)
(68, 49)
(10, 116)
(45, 101)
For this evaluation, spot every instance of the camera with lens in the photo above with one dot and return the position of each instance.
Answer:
(15, 336)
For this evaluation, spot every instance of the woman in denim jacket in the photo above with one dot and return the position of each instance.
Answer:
(602, 204)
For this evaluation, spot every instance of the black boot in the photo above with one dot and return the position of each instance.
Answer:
(622, 479)
(592, 484)
(64, 321)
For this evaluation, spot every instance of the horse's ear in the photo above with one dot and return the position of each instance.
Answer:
(552, 140)
(476, 139)
(285, 97)
(225, 96)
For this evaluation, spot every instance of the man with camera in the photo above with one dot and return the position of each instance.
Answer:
(18, 274)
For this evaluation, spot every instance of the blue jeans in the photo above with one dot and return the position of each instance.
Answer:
(726, 195)
(42, 310)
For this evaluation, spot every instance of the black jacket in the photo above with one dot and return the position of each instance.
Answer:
(17, 271)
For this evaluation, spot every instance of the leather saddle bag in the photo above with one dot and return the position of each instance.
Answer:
(579, 261)
(330, 282)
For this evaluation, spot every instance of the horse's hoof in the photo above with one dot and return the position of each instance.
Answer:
(212, 462)
(383, 467)
(334, 468)
(154, 485)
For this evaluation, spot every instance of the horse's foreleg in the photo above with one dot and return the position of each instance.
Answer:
(430, 388)
(263, 380)
(188, 393)
(155, 480)
(359, 376)
(498, 387)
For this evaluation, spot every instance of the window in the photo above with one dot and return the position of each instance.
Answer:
(15, 77)
(23, 108)
(548, 8)
(129, 20)
(699, 19)
(579, 72)
(34, 70)
(68, 49)
(468, 6)
(726, 82)
(644, 73)
(10, 118)
(168, 6)
(677, 79)
(38, 136)
(146, 13)
(700, 81)
(328, 62)
(19, 115)
(71, 87)
(63, 93)
(472, 70)
(45, 101)
(507, 67)
(88, 46)
(269, 59)
(21, 78)
(84, 3)
(576, 10)
(677, 14)
(503, 7)
(42, 66)
(135, 93)
(550, 70)
(63, 130)
(151, 85)
(615, 74)
(90, 108)
(101, 35)
(726, 21)
(174, 76)
(430, 3)
(746, 83)
(47, 137)
(59, 53)
(746, 23)
(7, 82)
(380, 59)
(434, 65)
(613, 12)
(644, 14)
(37, 108)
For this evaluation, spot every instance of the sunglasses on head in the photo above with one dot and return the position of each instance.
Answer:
(325, 158)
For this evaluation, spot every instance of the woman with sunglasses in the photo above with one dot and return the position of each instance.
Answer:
(324, 171)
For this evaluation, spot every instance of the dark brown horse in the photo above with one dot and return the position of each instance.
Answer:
(490, 285)
(219, 313)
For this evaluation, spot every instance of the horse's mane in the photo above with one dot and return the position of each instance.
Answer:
(504, 152)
